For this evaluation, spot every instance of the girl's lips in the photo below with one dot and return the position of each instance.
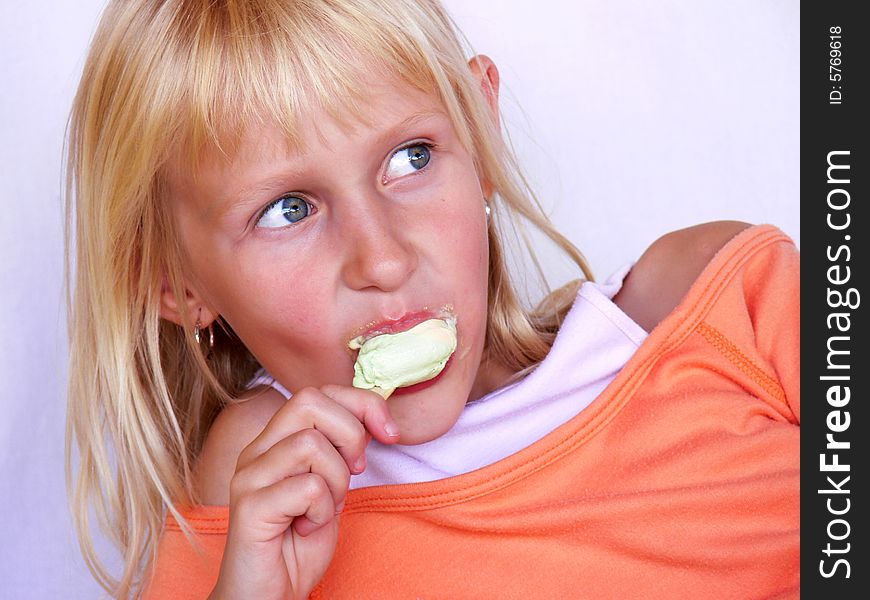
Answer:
(403, 323)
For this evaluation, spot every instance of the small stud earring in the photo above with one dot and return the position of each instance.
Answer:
(486, 209)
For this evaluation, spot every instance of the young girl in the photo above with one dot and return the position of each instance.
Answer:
(258, 182)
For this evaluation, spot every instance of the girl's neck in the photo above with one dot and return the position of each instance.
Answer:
(491, 376)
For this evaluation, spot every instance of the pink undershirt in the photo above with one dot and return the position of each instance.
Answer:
(596, 340)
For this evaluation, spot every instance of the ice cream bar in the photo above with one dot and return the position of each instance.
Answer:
(393, 360)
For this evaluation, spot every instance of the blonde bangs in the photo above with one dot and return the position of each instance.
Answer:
(269, 63)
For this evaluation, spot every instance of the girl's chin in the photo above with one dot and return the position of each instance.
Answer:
(437, 404)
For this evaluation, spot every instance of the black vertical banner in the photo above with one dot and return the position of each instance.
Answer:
(835, 364)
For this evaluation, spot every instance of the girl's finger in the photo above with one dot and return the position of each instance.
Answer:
(306, 451)
(343, 414)
(369, 408)
(310, 409)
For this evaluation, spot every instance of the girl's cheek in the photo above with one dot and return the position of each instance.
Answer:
(303, 307)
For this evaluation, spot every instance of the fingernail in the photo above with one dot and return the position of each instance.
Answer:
(391, 428)
(340, 506)
(360, 465)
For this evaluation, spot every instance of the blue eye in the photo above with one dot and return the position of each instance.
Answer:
(408, 160)
(283, 211)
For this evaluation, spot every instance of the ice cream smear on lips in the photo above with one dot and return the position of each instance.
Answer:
(393, 360)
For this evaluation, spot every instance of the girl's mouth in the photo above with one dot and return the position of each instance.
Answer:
(388, 326)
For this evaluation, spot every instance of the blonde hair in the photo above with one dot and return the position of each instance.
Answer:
(164, 75)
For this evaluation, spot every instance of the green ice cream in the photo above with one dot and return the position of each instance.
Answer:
(395, 360)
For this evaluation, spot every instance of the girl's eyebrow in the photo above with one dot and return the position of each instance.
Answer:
(413, 120)
(236, 199)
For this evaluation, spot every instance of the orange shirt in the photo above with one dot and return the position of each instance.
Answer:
(680, 480)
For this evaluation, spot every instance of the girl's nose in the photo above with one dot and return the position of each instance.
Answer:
(377, 250)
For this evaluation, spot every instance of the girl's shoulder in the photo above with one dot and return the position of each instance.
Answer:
(235, 427)
(663, 274)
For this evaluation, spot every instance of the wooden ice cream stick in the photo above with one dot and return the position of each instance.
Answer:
(384, 393)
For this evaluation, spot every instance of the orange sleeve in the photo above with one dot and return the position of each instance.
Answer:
(771, 285)
(184, 570)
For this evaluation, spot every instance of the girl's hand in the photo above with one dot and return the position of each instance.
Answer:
(289, 488)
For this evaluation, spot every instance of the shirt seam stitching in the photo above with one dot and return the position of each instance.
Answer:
(735, 356)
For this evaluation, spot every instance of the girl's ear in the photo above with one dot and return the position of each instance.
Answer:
(486, 74)
(173, 310)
